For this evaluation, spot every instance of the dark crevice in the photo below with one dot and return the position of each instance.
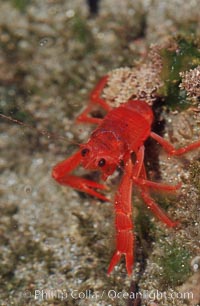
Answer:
(144, 239)
(93, 7)
(134, 295)
(152, 148)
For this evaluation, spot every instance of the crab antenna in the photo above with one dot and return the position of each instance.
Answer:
(43, 132)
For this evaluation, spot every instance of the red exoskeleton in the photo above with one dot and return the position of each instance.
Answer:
(119, 134)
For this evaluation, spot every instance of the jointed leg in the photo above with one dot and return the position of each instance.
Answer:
(155, 185)
(157, 210)
(83, 117)
(140, 178)
(95, 99)
(137, 171)
(123, 221)
(61, 173)
(138, 163)
(123, 214)
(170, 149)
(160, 214)
(95, 95)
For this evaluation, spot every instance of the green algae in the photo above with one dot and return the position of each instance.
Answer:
(174, 263)
(82, 33)
(185, 57)
(21, 5)
(143, 223)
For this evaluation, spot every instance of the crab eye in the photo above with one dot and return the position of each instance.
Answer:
(84, 152)
(101, 162)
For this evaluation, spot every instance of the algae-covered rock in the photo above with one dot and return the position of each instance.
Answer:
(169, 72)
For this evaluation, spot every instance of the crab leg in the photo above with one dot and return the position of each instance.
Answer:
(123, 221)
(140, 178)
(123, 215)
(95, 99)
(61, 174)
(144, 182)
(155, 185)
(151, 204)
(170, 149)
